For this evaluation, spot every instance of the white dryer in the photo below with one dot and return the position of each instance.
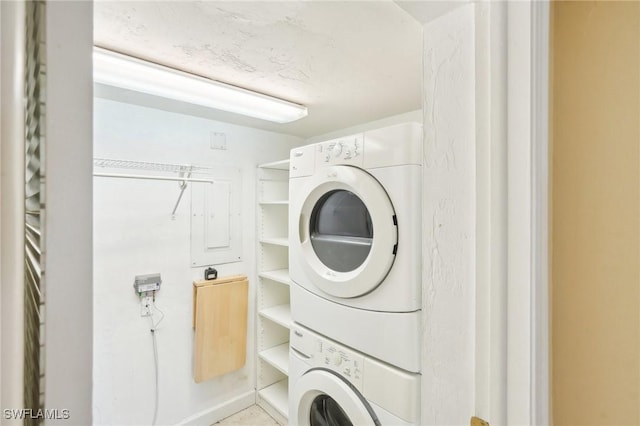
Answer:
(331, 384)
(355, 241)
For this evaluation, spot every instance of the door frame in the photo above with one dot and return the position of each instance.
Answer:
(512, 282)
(541, 225)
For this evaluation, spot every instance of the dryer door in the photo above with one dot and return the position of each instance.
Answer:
(347, 231)
(322, 398)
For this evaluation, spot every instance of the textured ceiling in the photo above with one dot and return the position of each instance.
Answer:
(348, 62)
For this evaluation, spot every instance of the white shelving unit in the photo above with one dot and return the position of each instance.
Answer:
(274, 313)
(277, 356)
(278, 275)
(278, 241)
(280, 314)
(276, 395)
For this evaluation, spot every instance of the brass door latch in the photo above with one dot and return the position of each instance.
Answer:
(476, 421)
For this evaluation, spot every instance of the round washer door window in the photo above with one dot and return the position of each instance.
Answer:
(325, 411)
(347, 231)
(322, 398)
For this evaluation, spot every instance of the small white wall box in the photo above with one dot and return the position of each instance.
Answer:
(145, 283)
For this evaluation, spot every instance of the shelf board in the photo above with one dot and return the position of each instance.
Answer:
(277, 395)
(279, 275)
(276, 165)
(280, 314)
(278, 357)
(274, 203)
(278, 241)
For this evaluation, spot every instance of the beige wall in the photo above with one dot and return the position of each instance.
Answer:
(595, 78)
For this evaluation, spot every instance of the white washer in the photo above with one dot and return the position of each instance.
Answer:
(355, 240)
(331, 384)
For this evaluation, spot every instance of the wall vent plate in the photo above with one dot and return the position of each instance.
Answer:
(218, 141)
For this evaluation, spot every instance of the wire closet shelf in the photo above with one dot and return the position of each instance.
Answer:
(184, 172)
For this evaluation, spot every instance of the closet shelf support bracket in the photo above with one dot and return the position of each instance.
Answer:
(182, 185)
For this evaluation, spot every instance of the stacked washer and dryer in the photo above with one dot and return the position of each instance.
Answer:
(355, 264)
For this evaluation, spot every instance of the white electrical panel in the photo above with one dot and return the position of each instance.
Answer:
(216, 219)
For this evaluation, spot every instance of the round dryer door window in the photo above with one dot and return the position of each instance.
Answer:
(341, 230)
(347, 231)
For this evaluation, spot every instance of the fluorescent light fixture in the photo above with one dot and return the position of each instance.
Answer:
(130, 73)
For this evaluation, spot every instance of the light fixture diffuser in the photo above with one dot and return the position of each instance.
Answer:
(115, 69)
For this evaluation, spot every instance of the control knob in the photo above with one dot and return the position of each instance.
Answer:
(355, 148)
(337, 359)
(337, 149)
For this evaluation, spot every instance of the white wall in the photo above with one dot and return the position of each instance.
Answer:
(407, 117)
(449, 219)
(134, 234)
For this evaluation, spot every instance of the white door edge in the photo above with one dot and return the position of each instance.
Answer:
(12, 223)
(528, 229)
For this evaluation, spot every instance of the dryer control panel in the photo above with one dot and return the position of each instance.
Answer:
(321, 352)
(347, 150)
(302, 161)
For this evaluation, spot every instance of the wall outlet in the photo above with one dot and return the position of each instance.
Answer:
(146, 306)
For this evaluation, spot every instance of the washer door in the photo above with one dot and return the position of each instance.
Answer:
(347, 232)
(325, 399)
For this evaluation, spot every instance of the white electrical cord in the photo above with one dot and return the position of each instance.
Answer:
(154, 327)
(161, 313)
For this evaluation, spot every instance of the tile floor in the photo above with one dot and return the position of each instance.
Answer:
(252, 416)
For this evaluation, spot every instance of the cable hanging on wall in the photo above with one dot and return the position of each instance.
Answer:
(184, 172)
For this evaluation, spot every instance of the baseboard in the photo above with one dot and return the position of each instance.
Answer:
(221, 411)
